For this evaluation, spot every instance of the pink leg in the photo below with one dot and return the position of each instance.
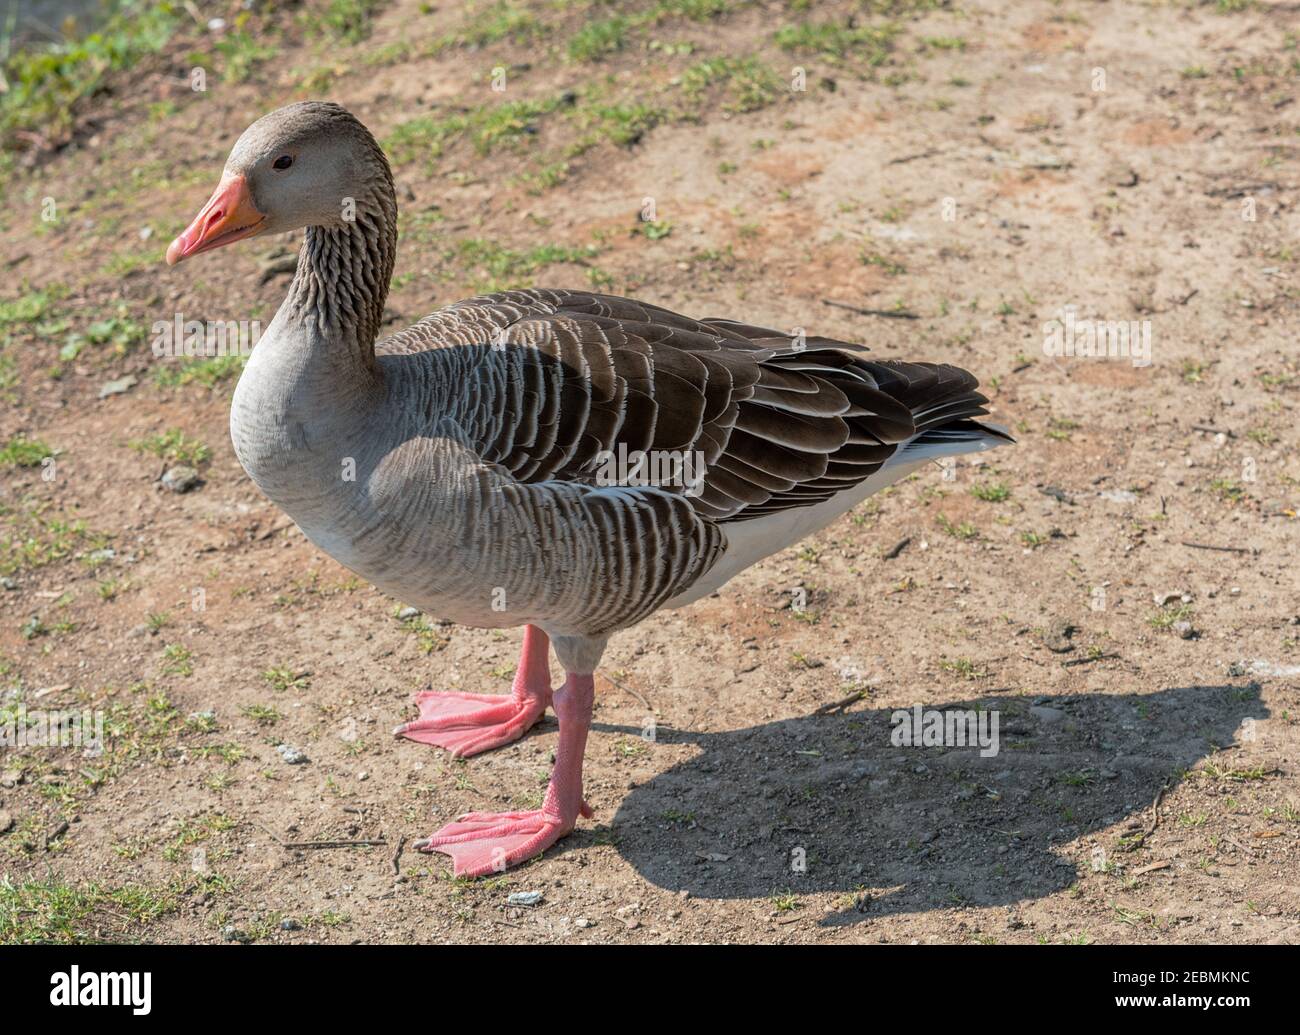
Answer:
(486, 842)
(466, 724)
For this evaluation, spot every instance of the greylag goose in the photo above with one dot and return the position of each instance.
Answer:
(463, 465)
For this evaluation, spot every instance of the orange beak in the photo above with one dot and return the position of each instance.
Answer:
(229, 216)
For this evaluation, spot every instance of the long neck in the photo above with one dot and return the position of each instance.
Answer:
(338, 292)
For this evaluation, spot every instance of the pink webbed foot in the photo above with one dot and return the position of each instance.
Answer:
(466, 724)
(481, 843)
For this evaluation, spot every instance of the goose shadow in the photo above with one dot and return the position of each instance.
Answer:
(902, 829)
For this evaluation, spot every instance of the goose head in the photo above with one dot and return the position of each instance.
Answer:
(305, 165)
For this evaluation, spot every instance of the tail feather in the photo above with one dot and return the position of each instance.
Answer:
(954, 439)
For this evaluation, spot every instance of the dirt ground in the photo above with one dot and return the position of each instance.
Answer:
(971, 171)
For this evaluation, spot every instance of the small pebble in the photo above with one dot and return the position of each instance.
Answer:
(525, 898)
(181, 479)
(1057, 636)
(118, 387)
(291, 755)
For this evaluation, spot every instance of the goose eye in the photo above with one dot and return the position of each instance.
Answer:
(283, 162)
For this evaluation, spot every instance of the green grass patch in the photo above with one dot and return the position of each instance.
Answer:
(991, 492)
(8, 377)
(964, 530)
(694, 10)
(963, 667)
(346, 20)
(32, 539)
(282, 679)
(117, 335)
(206, 372)
(29, 308)
(262, 714)
(1228, 490)
(486, 127)
(173, 445)
(427, 638)
(943, 43)
(748, 83)
(497, 22)
(46, 84)
(1166, 618)
(654, 230)
(619, 123)
(241, 52)
(177, 660)
(24, 452)
(871, 44)
(596, 40)
(494, 267)
(891, 267)
(54, 911)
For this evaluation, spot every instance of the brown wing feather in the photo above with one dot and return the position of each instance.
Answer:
(550, 379)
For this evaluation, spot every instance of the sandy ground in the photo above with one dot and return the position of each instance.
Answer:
(1003, 161)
